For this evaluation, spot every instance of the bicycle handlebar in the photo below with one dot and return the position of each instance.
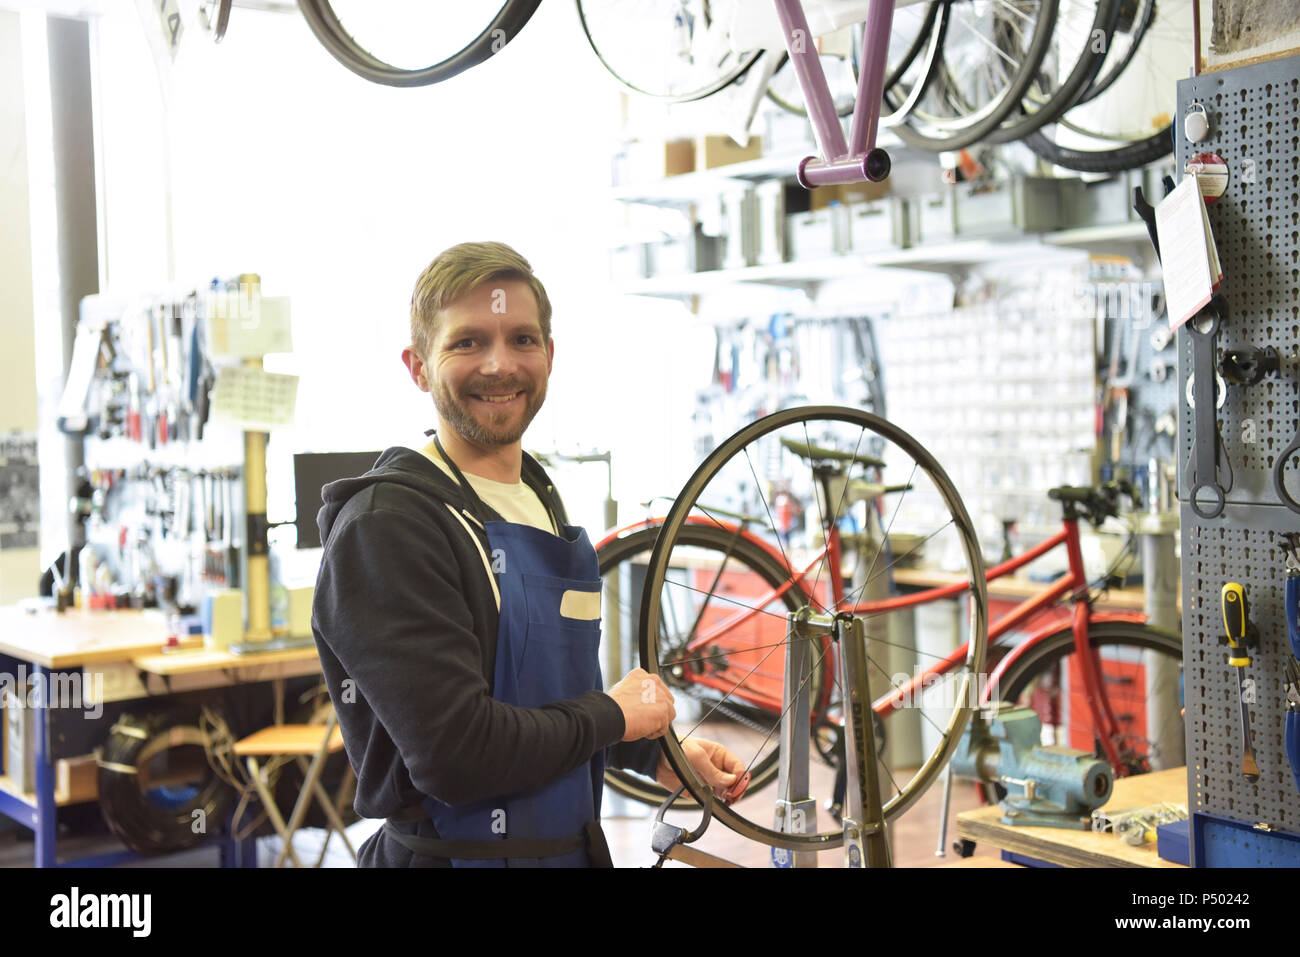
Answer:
(1096, 504)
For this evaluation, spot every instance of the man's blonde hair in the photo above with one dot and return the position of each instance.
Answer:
(456, 271)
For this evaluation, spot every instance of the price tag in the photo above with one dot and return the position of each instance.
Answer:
(1211, 174)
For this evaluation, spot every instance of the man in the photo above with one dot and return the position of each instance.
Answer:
(457, 614)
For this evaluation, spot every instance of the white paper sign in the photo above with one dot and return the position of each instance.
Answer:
(1188, 257)
(253, 399)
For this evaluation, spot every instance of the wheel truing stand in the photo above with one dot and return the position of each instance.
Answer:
(866, 840)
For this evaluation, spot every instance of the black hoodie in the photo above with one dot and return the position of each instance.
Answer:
(405, 621)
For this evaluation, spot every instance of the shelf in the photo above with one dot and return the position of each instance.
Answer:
(76, 782)
(947, 258)
(703, 184)
(1134, 232)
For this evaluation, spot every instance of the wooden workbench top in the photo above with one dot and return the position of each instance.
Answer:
(1082, 848)
(1010, 586)
(201, 659)
(79, 637)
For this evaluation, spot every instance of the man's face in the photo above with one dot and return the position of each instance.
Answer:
(488, 364)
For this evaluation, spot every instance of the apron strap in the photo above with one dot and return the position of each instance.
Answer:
(592, 838)
(475, 503)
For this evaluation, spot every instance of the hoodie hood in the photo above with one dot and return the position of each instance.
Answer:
(408, 467)
(402, 466)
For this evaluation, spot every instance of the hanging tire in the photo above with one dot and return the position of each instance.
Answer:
(157, 791)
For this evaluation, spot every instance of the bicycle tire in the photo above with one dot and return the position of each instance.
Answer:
(745, 557)
(725, 78)
(1047, 654)
(1109, 73)
(157, 820)
(332, 34)
(891, 77)
(961, 135)
(1160, 43)
(1116, 160)
(1080, 77)
(676, 520)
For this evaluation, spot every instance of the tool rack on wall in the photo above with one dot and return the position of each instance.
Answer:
(1254, 126)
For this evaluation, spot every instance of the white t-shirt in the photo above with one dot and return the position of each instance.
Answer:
(513, 501)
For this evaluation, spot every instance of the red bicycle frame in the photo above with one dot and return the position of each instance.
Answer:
(1074, 584)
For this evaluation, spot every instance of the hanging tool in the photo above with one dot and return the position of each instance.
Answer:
(1291, 667)
(1240, 633)
(1279, 468)
(1206, 462)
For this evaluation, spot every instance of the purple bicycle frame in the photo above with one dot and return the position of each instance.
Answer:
(858, 160)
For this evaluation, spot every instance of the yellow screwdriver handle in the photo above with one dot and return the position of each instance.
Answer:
(1236, 615)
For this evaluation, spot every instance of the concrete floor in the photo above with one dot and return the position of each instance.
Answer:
(626, 825)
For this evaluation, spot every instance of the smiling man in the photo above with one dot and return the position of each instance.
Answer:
(457, 613)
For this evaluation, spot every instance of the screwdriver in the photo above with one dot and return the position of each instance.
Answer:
(1236, 622)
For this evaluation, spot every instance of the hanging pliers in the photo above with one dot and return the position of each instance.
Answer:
(1291, 681)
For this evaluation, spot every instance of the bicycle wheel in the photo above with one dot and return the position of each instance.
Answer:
(991, 54)
(841, 53)
(1083, 33)
(1128, 122)
(835, 460)
(723, 564)
(408, 43)
(678, 50)
(1140, 668)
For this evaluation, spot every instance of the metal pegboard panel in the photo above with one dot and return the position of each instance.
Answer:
(1254, 115)
(1240, 546)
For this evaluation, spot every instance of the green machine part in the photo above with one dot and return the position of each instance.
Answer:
(1046, 785)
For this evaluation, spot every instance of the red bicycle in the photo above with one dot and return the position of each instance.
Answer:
(708, 588)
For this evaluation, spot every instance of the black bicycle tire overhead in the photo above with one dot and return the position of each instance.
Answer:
(745, 556)
(1066, 95)
(1104, 78)
(334, 37)
(731, 77)
(891, 78)
(1116, 160)
(976, 131)
(1060, 645)
(673, 523)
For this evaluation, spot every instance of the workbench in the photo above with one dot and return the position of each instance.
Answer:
(1069, 848)
(113, 657)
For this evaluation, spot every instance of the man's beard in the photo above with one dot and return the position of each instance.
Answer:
(463, 420)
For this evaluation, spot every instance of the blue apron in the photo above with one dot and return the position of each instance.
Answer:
(542, 656)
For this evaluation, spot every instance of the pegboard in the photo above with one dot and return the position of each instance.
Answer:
(1255, 128)
(1254, 115)
(1240, 546)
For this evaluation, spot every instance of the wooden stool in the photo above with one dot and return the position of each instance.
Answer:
(281, 743)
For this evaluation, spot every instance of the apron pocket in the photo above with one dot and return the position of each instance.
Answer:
(561, 652)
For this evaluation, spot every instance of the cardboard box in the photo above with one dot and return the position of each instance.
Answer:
(714, 151)
(20, 746)
(650, 160)
(822, 197)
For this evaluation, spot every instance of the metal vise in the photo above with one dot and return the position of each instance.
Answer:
(1046, 786)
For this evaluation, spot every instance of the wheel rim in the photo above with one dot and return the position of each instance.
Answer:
(948, 526)
(1140, 670)
(841, 55)
(622, 565)
(676, 50)
(991, 54)
(407, 43)
(1134, 106)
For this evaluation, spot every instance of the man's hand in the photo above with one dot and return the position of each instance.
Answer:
(715, 765)
(647, 705)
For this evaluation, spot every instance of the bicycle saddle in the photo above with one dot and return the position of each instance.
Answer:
(807, 450)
